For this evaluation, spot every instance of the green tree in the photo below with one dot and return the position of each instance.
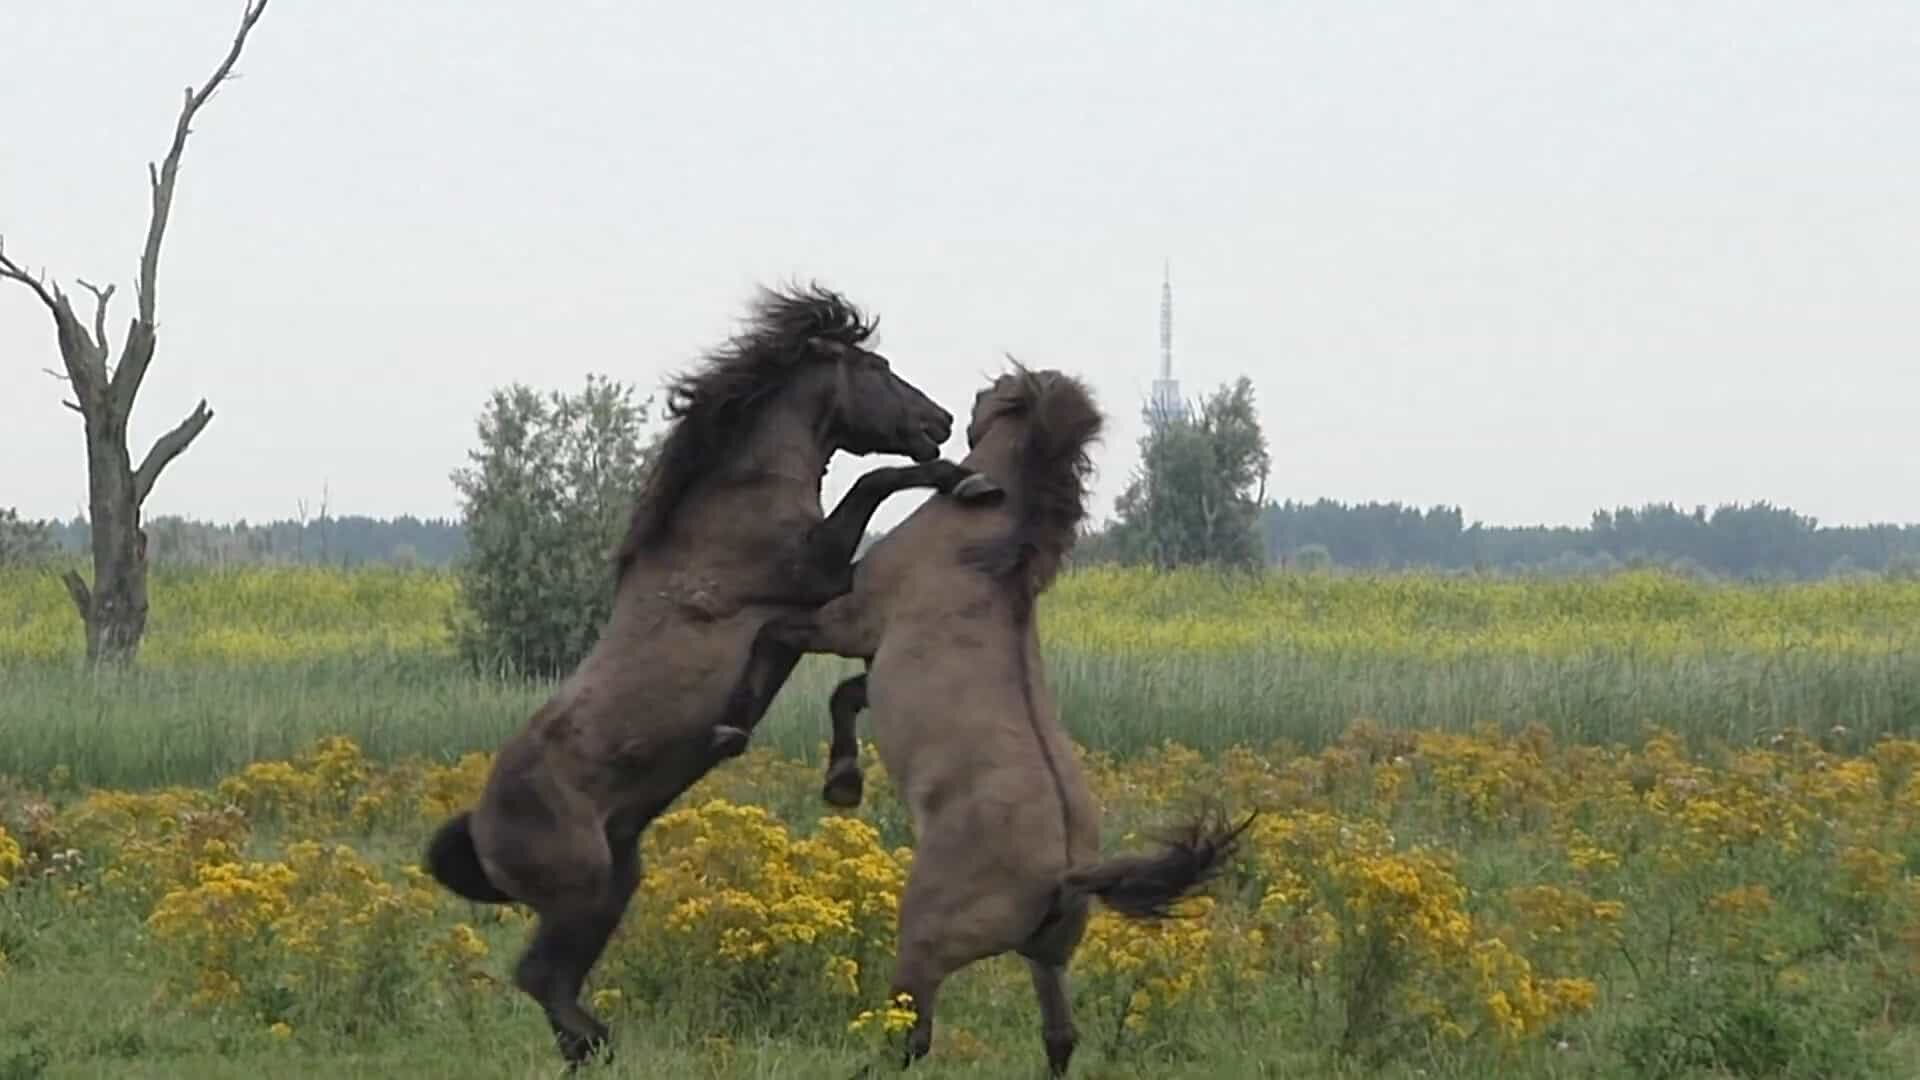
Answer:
(1197, 493)
(545, 503)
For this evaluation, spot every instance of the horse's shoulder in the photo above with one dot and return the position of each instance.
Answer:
(697, 593)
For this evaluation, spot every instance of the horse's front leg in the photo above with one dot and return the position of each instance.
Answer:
(839, 628)
(844, 781)
(819, 566)
(832, 543)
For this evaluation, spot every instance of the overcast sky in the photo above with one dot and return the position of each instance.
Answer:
(1530, 259)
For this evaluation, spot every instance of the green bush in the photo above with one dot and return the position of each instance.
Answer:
(545, 503)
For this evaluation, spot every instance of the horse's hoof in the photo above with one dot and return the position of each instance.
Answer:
(580, 1051)
(978, 489)
(844, 784)
(729, 741)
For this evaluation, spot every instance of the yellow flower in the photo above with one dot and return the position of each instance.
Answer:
(899, 1016)
(11, 860)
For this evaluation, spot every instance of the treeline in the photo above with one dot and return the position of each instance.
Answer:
(1754, 541)
(348, 540)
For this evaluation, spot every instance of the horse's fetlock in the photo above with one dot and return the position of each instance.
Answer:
(1060, 1044)
(845, 783)
(978, 488)
(729, 741)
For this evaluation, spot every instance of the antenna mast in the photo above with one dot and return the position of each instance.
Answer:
(1167, 402)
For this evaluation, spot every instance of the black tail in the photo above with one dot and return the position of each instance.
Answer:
(453, 862)
(1147, 886)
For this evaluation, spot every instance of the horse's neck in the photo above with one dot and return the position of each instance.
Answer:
(785, 445)
(998, 456)
(770, 477)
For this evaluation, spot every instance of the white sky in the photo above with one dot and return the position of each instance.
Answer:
(1532, 259)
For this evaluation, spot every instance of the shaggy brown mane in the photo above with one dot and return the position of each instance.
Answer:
(711, 406)
(1062, 421)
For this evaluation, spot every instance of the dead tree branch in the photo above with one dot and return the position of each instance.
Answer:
(138, 351)
(166, 448)
(101, 297)
(11, 271)
(77, 588)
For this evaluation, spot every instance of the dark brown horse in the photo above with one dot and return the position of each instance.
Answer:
(727, 533)
(1007, 851)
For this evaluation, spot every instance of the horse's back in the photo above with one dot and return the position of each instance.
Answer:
(968, 727)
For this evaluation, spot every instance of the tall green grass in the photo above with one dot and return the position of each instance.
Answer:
(247, 663)
(194, 724)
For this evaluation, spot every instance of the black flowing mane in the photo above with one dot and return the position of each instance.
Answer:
(711, 407)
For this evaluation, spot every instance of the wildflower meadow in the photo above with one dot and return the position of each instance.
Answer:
(1632, 827)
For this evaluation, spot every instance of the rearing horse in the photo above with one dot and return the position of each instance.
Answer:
(727, 533)
(1007, 835)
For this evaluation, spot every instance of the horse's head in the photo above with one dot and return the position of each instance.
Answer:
(1041, 424)
(1007, 396)
(875, 411)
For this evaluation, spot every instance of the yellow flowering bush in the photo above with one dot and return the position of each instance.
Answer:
(319, 783)
(12, 859)
(1564, 927)
(151, 841)
(1488, 780)
(317, 932)
(1467, 893)
(1154, 970)
(446, 790)
(218, 927)
(1513, 1003)
(734, 899)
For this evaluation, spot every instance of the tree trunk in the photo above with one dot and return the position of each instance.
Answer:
(115, 608)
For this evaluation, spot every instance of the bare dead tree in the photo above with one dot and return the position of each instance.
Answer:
(115, 607)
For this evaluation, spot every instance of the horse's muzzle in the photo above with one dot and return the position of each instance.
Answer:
(934, 432)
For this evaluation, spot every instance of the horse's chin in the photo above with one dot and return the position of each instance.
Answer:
(924, 449)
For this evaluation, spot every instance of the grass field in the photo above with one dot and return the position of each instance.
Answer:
(1631, 827)
(253, 663)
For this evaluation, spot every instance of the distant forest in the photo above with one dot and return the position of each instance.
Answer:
(1756, 541)
(350, 540)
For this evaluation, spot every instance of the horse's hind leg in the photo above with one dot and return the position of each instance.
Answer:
(568, 943)
(558, 942)
(844, 782)
(1056, 1013)
(1047, 953)
(918, 974)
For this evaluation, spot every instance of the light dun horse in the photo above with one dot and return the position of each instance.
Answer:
(727, 533)
(1007, 837)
